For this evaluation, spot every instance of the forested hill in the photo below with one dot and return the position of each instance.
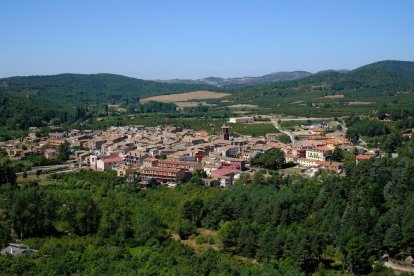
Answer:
(91, 89)
(269, 78)
(402, 68)
(366, 83)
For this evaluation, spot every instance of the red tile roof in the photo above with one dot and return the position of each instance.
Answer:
(112, 159)
(363, 157)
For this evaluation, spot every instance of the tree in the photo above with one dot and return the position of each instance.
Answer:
(38, 173)
(32, 212)
(352, 135)
(337, 155)
(196, 179)
(63, 152)
(193, 210)
(270, 160)
(258, 178)
(357, 256)
(186, 228)
(147, 226)
(392, 142)
(244, 179)
(7, 174)
(228, 235)
(4, 234)
(116, 221)
(79, 213)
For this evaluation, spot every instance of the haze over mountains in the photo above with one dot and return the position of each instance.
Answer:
(218, 81)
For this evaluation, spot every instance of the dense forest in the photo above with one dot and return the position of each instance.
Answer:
(91, 89)
(95, 223)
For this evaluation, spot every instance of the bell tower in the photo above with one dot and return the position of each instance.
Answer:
(225, 134)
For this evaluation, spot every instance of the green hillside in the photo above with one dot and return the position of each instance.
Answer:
(329, 93)
(402, 68)
(91, 89)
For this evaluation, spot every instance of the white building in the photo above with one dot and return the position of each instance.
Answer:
(234, 120)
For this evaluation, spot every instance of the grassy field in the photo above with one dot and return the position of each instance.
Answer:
(184, 97)
(254, 130)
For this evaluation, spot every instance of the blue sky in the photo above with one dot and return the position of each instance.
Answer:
(193, 39)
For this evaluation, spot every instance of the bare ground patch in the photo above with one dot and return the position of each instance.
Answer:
(184, 97)
(241, 106)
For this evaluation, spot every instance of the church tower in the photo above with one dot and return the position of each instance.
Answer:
(225, 134)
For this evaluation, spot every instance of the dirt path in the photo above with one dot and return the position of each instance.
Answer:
(278, 127)
(398, 267)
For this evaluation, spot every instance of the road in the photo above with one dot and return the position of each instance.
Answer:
(48, 169)
(288, 133)
(303, 119)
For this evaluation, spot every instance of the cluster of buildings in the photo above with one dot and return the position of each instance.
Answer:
(167, 154)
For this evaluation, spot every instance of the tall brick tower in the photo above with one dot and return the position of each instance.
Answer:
(225, 134)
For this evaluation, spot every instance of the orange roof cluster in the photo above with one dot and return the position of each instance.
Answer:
(361, 157)
(318, 137)
(150, 159)
(324, 148)
(112, 159)
(334, 142)
(328, 164)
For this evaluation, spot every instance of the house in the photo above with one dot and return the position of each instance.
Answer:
(319, 153)
(55, 143)
(51, 154)
(96, 144)
(335, 143)
(149, 162)
(16, 249)
(135, 158)
(290, 158)
(163, 174)
(224, 175)
(235, 163)
(229, 151)
(14, 152)
(362, 157)
(331, 166)
(272, 137)
(187, 166)
(305, 162)
(108, 162)
(234, 120)
(209, 168)
(57, 135)
(123, 171)
(318, 137)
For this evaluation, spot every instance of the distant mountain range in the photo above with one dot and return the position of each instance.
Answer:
(269, 78)
(388, 76)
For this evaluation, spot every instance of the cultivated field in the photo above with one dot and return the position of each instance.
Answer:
(241, 106)
(184, 97)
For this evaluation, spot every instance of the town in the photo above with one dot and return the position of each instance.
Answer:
(171, 154)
